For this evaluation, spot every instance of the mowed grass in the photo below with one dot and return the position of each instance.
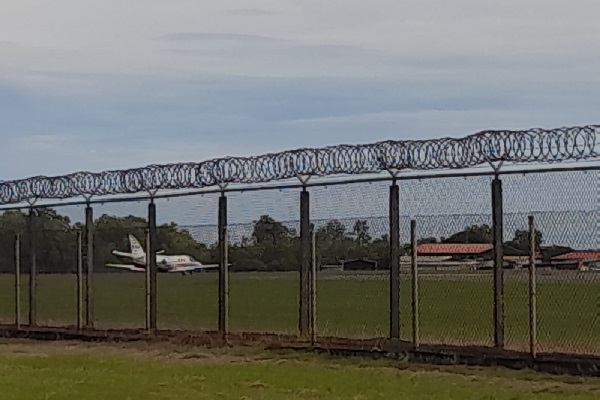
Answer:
(62, 370)
(454, 309)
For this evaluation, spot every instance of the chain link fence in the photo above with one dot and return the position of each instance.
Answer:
(454, 235)
(13, 224)
(117, 293)
(264, 251)
(187, 232)
(56, 257)
(350, 233)
(564, 206)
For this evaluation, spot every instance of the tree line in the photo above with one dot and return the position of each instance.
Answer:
(272, 246)
(56, 240)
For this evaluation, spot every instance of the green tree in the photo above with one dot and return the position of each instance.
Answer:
(379, 250)
(55, 241)
(274, 247)
(268, 231)
(427, 240)
(332, 231)
(111, 233)
(11, 224)
(361, 232)
(520, 240)
(472, 234)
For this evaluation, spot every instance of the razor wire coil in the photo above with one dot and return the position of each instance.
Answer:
(527, 146)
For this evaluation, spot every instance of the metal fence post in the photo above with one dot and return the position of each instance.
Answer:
(224, 266)
(79, 279)
(532, 290)
(89, 276)
(305, 261)
(394, 209)
(18, 281)
(153, 267)
(498, 230)
(313, 288)
(415, 283)
(32, 269)
(147, 282)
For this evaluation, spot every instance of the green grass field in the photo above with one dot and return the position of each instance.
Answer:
(453, 308)
(66, 370)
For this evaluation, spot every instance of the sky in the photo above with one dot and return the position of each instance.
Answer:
(97, 85)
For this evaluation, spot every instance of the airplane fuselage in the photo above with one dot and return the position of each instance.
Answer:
(167, 263)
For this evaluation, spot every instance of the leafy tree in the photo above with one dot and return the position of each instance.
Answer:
(331, 242)
(427, 240)
(56, 240)
(361, 231)
(520, 240)
(245, 257)
(332, 231)
(268, 231)
(472, 234)
(379, 250)
(274, 247)
(11, 224)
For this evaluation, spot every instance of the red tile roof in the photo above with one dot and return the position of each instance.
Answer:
(453, 248)
(579, 255)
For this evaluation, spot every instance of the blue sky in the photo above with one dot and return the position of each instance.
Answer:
(88, 85)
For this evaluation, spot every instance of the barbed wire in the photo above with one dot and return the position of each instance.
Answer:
(527, 146)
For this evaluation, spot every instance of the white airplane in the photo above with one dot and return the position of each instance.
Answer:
(183, 263)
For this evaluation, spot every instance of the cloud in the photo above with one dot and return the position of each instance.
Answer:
(251, 12)
(152, 87)
(200, 37)
(42, 142)
(193, 120)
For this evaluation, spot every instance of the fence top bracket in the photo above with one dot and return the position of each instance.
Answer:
(393, 173)
(303, 179)
(496, 167)
(152, 194)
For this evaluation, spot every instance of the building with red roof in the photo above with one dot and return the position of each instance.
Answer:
(580, 255)
(456, 251)
(474, 251)
(453, 249)
(582, 260)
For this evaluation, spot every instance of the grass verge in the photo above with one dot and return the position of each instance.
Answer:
(65, 370)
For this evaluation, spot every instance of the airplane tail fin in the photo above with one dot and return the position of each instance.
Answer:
(136, 248)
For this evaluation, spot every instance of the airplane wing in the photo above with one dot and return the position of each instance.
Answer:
(125, 266)
(122, 254)
(210, 265)
(193, 267)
